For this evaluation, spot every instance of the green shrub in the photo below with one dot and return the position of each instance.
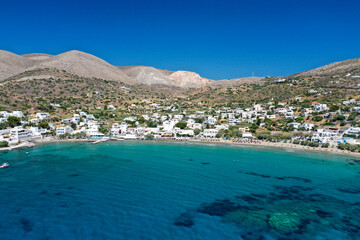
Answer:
(4, 144)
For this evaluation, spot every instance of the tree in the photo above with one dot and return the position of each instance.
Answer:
(220, 133)
(325, 145)
(3, 125)
(4, 144)
(334, 108)
(151, 124)
(104, 130)
(317, 118)
(340, 118)
(181, 125)
(299, 119)
(197, 131)
(73, 126)
(199, 120)
(14, 121)
(44, 125)
(149, 136)
(253, 127)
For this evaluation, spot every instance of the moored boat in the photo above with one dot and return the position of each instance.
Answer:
(4, 165)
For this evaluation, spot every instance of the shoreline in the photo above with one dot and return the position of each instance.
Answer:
(331, 150)
(21, 145)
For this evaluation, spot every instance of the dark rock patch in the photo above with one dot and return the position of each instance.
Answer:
(185, 220)
(349, 190)
(257, 174)
(74, 175)
(219, 207)
(26, 224)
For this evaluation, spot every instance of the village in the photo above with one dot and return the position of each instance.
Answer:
(320, 126)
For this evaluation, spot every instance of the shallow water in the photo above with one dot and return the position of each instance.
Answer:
(148, 190)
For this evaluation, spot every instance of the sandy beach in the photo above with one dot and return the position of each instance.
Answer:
(330, 149)
(282, 145)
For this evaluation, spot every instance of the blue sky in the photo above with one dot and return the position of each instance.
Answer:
(217, 39)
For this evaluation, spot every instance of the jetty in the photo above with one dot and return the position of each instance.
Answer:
(21, 145)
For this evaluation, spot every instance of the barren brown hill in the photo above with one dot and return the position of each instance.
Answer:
(187, 79)
(84, 65)
(12, 64)
(235, 82)
(37, 56)
(153, 76)
(351, 66)
(148, 75)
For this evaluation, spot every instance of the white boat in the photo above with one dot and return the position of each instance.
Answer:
(4, 165)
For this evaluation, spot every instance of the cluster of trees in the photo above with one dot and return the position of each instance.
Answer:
(349, 147)
(266, 135)
(149, 136)
(232, 132)
(181, 125)
(311, 144)
(11, 122)
(72, 136)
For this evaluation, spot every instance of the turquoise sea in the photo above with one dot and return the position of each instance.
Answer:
(156, 190)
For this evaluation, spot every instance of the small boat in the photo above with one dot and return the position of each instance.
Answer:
(4, 165)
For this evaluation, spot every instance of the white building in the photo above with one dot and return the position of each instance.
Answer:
(320, 107)
(42, 116)
(63, 130)
(211, 133)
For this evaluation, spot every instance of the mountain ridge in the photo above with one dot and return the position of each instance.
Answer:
(89, 66)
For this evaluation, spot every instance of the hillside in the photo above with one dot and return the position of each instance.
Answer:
(84, 65)
(148, 75)
(37, 56)
(351, 66)
(187, 79)
(79, 79)
(12, 64)
(235, 82)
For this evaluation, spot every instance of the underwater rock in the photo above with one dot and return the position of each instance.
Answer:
(285, 222)
(220, 208)
(349, 190)
(294, 178)
(27, 226)
(257, 174)
(248, 218)
(205, 163)
(185, 219)
(74, 175)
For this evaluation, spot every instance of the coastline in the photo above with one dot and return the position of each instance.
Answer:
(21, 145)
(331, 150)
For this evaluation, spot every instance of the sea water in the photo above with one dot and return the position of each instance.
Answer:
(156, 190)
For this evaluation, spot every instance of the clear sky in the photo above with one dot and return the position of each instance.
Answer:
(217, 39)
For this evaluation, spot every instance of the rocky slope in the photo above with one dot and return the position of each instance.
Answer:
(148, 75)
(84, 65)
(88, 66)
(235, 82)
(348, 66)
(12, 64)
(187, 79)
